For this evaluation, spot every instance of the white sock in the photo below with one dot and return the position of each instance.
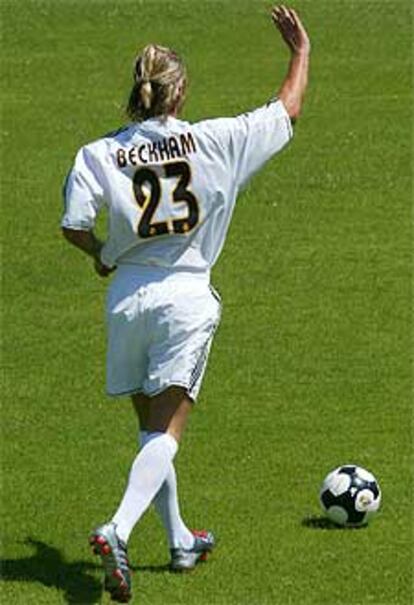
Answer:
(166, 505)
(148, 473)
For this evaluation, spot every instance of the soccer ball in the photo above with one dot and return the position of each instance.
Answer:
(350, 496)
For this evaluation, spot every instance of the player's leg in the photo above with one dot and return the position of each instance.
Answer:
(167, 417)
(166, 500)
(183, 329)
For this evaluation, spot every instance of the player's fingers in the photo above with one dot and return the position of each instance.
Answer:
(286, 13)
(278, 19)
(280, 16)
(284, 23)
(280, 11)
(296, 20)
(276, 13)
(293, 15)
(300, 30)
(276, 8)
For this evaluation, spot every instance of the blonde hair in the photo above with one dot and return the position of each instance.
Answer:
(159, 84)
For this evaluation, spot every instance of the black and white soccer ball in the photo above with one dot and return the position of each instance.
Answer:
(350, 495)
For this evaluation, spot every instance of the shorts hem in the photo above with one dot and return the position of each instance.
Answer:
(154, 392)
(124, 393)
(166, 385)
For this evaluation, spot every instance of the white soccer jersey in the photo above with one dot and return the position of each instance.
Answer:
(170, 186)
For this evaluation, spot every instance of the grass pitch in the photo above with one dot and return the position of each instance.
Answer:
(311, 367)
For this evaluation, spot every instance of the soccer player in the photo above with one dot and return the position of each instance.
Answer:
(169, 188)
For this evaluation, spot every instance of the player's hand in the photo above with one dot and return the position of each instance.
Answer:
(101, 269)
(291, 29)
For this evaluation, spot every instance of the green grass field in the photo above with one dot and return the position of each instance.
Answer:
(312, 365)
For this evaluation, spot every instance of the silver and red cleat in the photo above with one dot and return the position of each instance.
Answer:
(183, 559)
(113, 553)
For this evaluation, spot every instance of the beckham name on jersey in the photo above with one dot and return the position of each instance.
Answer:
(157, 151)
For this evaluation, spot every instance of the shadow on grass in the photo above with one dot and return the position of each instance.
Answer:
(47, 566)
(315, 522)
(152, 568)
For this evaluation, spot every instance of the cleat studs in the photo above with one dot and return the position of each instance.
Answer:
(100, 540)
(106, 549)
(204, 557)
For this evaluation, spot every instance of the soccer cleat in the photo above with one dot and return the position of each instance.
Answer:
(186, 559)
(113, 553)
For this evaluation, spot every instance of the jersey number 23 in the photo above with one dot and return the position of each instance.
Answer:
(147, 187)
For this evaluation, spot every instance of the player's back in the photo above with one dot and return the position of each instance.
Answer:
(170, 186)
(167, 183)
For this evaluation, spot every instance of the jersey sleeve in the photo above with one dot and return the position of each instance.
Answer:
(82, 193)
(251, 139)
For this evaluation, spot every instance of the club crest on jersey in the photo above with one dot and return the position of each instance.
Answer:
(157, 151)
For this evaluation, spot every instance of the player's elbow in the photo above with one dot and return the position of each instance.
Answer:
(293, 108)
(292, 103)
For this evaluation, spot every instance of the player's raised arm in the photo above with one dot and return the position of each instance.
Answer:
(295, 83)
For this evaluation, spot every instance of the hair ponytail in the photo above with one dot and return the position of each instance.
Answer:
(146, 94)
(159, 87)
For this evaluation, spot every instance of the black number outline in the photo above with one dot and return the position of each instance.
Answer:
(149, 201)
(182, 194)
(146, 228)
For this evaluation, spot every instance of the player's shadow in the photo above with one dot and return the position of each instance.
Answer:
(47, 566)
(152, 568)
(315, 522)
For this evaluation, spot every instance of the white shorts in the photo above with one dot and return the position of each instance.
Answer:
(160, 329)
